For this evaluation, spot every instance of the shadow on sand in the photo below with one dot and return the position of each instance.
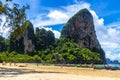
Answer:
(12, 72)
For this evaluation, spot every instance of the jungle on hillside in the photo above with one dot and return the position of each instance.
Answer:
(28, 44)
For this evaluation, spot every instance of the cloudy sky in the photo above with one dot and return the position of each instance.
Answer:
(53, 14)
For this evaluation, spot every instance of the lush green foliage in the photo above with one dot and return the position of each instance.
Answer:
(73, 53)
(16, 57)
(16, 45)
(63, 51)
(3, 44)
(44, 39)
(67, 51)
(19, 31)
(2, 8)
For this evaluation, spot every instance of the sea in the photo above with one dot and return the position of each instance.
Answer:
(112, 65)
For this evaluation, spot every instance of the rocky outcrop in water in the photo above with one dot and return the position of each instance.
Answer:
(80, 29)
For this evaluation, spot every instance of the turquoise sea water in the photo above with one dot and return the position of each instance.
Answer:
(112, 65)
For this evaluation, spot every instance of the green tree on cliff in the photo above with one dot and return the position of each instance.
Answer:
(44, 39)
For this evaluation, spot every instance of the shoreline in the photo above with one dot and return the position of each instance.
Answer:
(33, 72)
(87, 66)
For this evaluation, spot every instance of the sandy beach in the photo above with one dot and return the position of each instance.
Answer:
(32, 72)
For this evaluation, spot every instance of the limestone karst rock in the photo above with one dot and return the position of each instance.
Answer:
(22, 39)
(29, 38)
(80, 29)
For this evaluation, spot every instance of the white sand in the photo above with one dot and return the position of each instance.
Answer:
(53, 76)
(26, 73)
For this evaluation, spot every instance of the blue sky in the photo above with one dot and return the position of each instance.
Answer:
(53, 14)
(107, 9)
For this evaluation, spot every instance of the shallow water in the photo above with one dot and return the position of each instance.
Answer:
(112, 65)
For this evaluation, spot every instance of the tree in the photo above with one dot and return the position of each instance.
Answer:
(74, 53)
(15, 15)
(2, 43)
(44, 39)
(50, 38)
(16, 45)
(2, 8)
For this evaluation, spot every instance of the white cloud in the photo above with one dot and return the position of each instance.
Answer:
(4, 31)
(113, 56)
(97, 21)
(56, 33)
(58, 16)
(50, 19)
(109, 45)
(72, 9)
(108, 36)
(3, 18)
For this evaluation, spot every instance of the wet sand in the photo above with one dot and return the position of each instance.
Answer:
(32, 72)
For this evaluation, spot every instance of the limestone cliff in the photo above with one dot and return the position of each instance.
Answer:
(29, 38)
(23, 38)
(80, 29)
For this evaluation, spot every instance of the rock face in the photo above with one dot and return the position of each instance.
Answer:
(22, 39)
(29, 38)
(80, 29)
